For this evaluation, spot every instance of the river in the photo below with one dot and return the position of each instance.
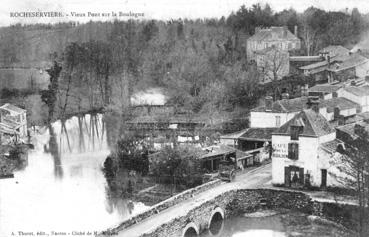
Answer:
(63, 189)
(269, 223)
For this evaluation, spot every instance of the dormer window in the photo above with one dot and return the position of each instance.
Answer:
(295, 131)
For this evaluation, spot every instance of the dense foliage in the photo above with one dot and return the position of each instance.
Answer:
(179, 165)
(200, 63)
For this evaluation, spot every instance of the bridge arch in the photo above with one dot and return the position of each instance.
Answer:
(190, 230)
(216, 221)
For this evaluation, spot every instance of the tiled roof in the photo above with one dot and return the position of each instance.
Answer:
(345, 62)
(12, 108)
(298, 104)
(363, 116)
(359, 91)
(273, 33)
(217, 150)
(325, 88)
(335, 50)
(314, 65)
(235, 135)
(340, 102)
(314, 124)
(261, 134)
(350, 128)
(331, 146)
(338, 63)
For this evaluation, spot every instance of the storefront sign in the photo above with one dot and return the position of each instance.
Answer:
(280, 151)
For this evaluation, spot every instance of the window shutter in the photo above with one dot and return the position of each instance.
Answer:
(296, 151)
(290, 151)
(301, 176)
(287, 176)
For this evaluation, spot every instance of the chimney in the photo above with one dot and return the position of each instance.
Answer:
(359, 130)
(336, 113)
(285, 31)
(295, 31)
(304, 90)
(268, 103)
(341, 120)
(313, 103)
(285, 96)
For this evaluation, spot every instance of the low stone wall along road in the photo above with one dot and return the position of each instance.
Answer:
(257, 178)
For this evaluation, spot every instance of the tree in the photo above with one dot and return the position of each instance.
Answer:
(242, 84)
(49, 96)
(355, 167)
(177, 165)
(131, 154)
(314, 23)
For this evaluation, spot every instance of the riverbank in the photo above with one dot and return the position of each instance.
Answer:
(12, 157)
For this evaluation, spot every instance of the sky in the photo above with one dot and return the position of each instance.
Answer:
(155, 9)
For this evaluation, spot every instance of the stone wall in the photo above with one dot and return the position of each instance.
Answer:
(200, 216)
(249, 200)
(164, 205)
(344, 214)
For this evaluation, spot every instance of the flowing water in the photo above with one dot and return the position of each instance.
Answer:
(63, 188)
(273, 224)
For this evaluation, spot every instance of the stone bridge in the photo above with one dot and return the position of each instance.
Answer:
(199, 210)
(209, 216)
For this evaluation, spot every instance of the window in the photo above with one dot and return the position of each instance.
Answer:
(277, 121)
(293, 151)
(295, 131)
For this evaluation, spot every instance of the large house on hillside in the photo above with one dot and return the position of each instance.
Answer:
(269, 48)
(264, 38)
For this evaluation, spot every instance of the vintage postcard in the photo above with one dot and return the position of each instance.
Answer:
(227, 118)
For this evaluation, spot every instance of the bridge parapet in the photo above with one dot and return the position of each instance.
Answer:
(163, 206)
(199, 218)
(232, 203)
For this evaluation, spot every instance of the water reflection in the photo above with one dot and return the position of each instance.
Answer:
(63, 187)
(241, 227)
(269, 224)
(53, 149)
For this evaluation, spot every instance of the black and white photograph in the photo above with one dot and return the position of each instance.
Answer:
(184, 118)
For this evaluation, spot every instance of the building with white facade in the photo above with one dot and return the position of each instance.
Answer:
(279, 37)
(359, 95)
(325, 91)
(296, 157)
(13, 123)
(277, 113)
